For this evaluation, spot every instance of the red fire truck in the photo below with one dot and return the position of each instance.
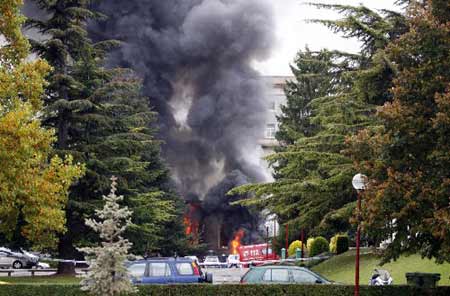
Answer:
(256, 254)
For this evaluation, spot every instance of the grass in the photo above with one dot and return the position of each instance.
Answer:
(41, 280)
(341, 268)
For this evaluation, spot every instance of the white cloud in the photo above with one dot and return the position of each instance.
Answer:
(293, 33)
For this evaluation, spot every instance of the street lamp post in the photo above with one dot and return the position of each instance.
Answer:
(359, 182)
(303, 243)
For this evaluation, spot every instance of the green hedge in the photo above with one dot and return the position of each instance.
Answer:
(339, 244)
(229, 290)
(293, 247)
(318, 246)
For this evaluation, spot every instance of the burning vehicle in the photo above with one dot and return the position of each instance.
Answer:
(220, 225)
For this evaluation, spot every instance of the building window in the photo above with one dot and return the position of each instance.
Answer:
(270, 131)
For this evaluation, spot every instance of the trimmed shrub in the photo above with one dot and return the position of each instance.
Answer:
(309, 243)
(333, 244)
(319, 245)
(226, 290)
(293, 246)
(339, 244)
(342, 244)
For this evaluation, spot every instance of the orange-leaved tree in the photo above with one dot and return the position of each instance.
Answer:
(33, 184)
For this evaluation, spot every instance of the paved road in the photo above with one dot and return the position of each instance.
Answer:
(226, 275)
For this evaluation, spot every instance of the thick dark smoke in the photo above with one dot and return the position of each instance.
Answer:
(195, 58)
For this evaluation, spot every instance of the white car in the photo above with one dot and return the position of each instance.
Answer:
(212, 261)
(233, 261)
(16, 260)
(42, 265)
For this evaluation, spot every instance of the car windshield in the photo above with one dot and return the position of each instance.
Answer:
(212, 259)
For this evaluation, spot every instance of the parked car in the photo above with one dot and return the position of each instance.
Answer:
(10, 259)
(212, 261)
(167, 271)
(282, 274)
(193, 258)
(233, 261)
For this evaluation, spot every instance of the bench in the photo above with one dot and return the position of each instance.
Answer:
(42, 270)
(32, 271)
(8, 271)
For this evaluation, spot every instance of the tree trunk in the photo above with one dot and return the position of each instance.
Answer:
(66, 251)
(66, 268)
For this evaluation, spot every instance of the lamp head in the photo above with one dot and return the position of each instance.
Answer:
(360, 181)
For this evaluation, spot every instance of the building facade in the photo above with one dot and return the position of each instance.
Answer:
(276, 97)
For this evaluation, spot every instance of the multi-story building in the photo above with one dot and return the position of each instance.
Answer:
(277, 97)
(275, 87)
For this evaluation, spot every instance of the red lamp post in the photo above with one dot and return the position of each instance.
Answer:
(287, 236)
(359, 183)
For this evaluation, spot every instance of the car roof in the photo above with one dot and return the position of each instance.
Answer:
(279, 266)
(162, 259)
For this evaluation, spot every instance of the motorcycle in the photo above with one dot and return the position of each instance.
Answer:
(380, 277)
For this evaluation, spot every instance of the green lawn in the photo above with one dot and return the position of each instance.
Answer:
(341, 268)
(42, 280)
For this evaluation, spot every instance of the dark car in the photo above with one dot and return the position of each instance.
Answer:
(167, 271)
(282, 274)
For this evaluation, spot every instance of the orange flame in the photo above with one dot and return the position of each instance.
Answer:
(188, 225)
(191, 225)
(236, 242)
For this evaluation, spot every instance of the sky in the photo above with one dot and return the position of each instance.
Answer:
(293, 33)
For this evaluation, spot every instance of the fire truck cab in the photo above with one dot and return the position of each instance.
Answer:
(256, 254)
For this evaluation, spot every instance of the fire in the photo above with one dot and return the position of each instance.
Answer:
(190, 223)
(236, 242)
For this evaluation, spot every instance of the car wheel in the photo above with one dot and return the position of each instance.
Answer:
(209, 277)
(17, 264)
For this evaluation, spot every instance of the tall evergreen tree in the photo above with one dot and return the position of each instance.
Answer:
(407, 157)
(317, 74)
(313, 176)
(104, 121)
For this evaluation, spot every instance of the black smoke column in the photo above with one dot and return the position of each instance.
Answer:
(195, 57)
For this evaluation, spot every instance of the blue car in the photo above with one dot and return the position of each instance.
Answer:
(167, 271)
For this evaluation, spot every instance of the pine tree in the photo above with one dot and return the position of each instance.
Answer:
(104, 121)
(108, 275)
(33, 185)
(316, 75)
(313, 175)
(374, 29)
(407, 157)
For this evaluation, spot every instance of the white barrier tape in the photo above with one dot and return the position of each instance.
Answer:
(265, 261)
